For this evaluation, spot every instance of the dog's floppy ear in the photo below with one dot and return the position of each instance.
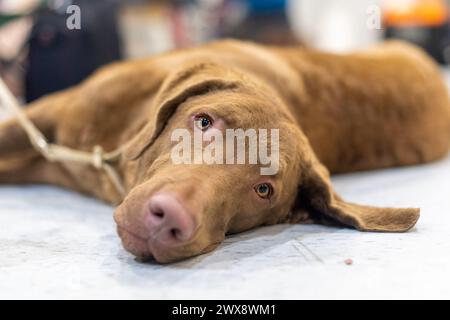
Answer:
(192, 80)
(316, 196)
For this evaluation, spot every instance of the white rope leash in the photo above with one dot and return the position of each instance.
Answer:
(56, 153)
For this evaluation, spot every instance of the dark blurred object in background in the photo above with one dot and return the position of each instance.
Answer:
(59, 57)
(423, 22)
(52, 57)
(266, 22)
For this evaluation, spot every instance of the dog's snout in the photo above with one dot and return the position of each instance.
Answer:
(168, 220)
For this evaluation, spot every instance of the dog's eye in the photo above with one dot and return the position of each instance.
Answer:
(264, 190)
(203, 122)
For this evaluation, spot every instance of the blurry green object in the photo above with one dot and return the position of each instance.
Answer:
(7, 18)
(4, 19)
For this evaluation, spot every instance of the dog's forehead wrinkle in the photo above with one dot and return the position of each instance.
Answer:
(246, 103)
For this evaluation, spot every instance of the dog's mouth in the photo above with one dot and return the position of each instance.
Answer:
(134, 244)
(145, 250)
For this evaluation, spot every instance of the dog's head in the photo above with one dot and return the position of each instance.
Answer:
(178, 209)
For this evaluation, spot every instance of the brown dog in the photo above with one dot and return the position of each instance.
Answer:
(386, 106)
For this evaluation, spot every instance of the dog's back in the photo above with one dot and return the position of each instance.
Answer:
(385, 106)
(389, 105)
(382, 107)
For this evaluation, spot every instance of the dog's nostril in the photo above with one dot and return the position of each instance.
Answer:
(158, 214)
(175, 233)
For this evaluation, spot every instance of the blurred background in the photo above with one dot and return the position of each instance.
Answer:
(40, 53)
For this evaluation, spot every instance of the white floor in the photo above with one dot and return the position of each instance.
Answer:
(57, 244)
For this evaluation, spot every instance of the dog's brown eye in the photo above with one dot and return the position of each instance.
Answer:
(203, 122)
(264, 190)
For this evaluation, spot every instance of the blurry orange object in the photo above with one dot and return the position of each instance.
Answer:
(429, 13)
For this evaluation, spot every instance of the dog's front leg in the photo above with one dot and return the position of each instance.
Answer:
(19, 161)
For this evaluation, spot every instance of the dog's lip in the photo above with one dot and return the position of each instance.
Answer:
(144, 249)
(123, 229)
(137, 246)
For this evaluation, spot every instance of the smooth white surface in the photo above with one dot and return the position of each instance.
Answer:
(57, 244)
